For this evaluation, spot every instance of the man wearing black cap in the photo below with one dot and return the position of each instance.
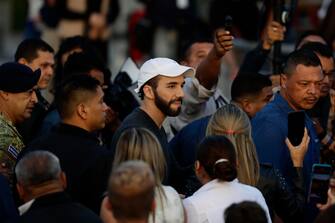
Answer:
(17, 99)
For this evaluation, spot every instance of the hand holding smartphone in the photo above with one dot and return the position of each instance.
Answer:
(296, 126)
(228, 23)
(330, 193)
(321, 174)
(223, 40)
(297, 153)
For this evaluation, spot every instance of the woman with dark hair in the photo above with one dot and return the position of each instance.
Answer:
(287, 202)
(216, 169)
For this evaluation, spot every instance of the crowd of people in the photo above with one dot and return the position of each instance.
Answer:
(76, 147)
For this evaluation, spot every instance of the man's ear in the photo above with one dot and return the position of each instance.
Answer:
(148, 92)
(200, 172)
(21, 191)
(81, 110)
(246, 105)
(197, 165)
(23, 61)
(63, 180)
(283, 80)
(109, 205)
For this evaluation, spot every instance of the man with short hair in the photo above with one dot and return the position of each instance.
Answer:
(250, 91)
(325, 56)
(300, 90)
(160, 87)
(131, 192)
(74, 141)
(77, 63)
(245, 211)
(323, 111)
(36, 54)
(41, 184)
(17, 100)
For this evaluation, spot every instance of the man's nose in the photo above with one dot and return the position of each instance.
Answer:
(326, 79)
(313, 89)
(180, 92)
(34, 97)
(105, 108)
(50, 70)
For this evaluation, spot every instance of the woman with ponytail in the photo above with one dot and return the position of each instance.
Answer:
(216, 169)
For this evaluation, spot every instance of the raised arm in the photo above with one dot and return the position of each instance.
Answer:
(209, 69)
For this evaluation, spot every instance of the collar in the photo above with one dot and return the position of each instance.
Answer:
(218, 95)
(149, 118)
(9, 123)
(26, 206)
(282, 103)
(46, 200)
(284, 107)
(41, 100)
(75, 130)
(214, 184)
(6, 120)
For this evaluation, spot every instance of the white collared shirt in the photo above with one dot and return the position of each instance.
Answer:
(25, 207)
(209, 202)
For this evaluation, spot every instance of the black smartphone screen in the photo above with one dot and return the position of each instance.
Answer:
(321, 174)
(228, 23)
(296, 126)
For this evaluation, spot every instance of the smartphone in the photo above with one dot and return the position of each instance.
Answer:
(296, 126)
(321, 174)
(228, 23)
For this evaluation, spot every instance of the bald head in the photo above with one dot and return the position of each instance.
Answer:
(36, 168)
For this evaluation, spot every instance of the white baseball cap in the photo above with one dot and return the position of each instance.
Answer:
(161, 66)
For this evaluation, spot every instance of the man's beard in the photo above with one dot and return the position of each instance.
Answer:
(165, 106)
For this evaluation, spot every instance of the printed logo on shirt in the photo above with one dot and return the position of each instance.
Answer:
(13, 151)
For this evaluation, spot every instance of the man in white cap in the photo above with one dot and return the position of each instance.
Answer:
(160, 86)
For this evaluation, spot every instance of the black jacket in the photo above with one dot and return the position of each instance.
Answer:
(8, 210)
(86, 164)
(57, 208)
(287, 202)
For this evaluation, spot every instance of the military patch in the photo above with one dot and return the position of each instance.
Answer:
(13, 151)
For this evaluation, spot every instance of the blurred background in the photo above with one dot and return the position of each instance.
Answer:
(150, 28)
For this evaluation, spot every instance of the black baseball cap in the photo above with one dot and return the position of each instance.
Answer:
(16, 77)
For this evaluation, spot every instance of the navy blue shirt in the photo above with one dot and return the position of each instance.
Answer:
(183, 147)
(8, 210)
(269, 131)
(185, 142)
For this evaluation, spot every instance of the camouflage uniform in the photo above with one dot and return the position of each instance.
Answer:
(11, 144)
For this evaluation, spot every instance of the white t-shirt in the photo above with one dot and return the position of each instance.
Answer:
(209, 202)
